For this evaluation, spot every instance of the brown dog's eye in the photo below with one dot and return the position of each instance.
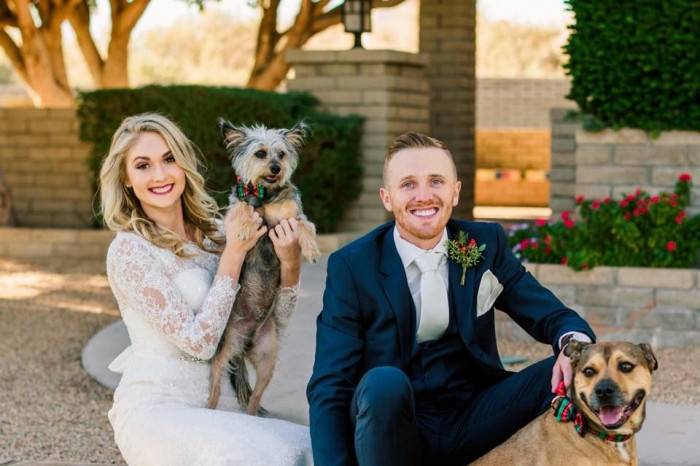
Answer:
(589, 372)
(280, 155)
(261, 154)
(625, 367)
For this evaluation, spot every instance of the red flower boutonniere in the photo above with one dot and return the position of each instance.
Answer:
(465, 252)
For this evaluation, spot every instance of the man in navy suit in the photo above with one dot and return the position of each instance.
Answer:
(407, 371)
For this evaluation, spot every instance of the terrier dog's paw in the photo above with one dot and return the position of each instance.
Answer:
(248, 226)
(307, 241)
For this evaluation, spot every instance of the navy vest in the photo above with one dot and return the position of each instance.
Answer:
(439, 370)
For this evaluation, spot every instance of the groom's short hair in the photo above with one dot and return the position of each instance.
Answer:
(414, 140)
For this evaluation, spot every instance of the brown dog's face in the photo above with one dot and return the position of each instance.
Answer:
(612, 381)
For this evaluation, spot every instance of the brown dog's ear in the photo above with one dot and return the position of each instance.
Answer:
(649, 356)
(232, 135)
(573, 351)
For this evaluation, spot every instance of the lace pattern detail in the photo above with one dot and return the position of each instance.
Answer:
(286, 304)
(142, 278)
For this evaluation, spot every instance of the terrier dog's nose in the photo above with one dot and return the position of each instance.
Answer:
(275, 168)
(605, 389)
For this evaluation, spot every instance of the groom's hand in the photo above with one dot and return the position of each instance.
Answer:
(562, 371)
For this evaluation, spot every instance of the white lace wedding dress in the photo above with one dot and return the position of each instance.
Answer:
(176, 314)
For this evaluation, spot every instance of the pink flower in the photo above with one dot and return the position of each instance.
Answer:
(638, 192)
(631, 197)
(654, 199)
(671, 246)
(595, 205)
(540, 222)
(568, 223)
(606, 200)
(680, 217)
(565, 215)
(624, 203)
(580, 199)
(685, 177)
(524, 244)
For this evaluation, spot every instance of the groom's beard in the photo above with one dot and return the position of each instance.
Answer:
(423, 227)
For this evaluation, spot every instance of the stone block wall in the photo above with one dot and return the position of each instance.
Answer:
(447, 35)
(525, 149)
(610, 163)
(386, 87)
(562, 173)
(45, 167)
(659, 306)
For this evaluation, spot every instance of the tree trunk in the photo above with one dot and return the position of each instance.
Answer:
(6, 219)
(115, 73)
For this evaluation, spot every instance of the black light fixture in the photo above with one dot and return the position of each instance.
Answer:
(357, 18)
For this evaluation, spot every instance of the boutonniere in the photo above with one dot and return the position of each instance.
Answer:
(465, 252)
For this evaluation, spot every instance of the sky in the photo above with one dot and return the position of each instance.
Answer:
(165, 12)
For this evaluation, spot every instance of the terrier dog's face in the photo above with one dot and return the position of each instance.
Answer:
(262, 155)
(612, 381)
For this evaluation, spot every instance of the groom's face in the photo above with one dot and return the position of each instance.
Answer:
(420, 189)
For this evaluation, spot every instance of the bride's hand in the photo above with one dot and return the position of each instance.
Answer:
(285, 239)
(240, 237)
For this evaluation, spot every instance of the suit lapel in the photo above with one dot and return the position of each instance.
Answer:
(397, 293)
(462, 295)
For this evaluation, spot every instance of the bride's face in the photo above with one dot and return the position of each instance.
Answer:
(157, 180)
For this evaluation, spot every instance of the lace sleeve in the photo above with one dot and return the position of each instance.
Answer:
(286, 304)
(139, 281)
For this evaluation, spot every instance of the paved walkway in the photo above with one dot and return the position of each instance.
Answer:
(671, 433)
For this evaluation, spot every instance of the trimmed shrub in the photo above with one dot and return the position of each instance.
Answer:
(329, 170)
(636, 63)
(638, 230)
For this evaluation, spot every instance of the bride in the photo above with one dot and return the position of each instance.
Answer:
(174, 271)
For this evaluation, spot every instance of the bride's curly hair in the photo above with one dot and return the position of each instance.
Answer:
(121, 209)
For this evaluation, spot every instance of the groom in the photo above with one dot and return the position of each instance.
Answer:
(407, 371)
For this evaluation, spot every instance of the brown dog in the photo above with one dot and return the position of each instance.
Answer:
(612, 382)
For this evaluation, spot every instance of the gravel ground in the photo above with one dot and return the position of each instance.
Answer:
(51, 410)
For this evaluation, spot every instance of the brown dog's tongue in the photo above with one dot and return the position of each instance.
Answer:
(610, 415)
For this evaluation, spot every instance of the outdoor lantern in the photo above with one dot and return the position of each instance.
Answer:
(357, 18)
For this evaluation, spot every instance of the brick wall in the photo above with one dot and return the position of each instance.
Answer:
(562, 173)
(447, 35)
(660, 306)
(609, 163)
(45, 167)
(388, 88)
(513, 148)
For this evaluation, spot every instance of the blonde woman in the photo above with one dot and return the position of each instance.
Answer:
(174, 270)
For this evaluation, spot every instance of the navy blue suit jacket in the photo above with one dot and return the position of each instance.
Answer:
(366, 322)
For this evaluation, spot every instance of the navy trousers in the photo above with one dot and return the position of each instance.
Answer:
(390, 429)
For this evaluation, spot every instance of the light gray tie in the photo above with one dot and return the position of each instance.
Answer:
(434, 307)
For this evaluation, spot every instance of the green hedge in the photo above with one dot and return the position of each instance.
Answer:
(329, 171)
(636, 63)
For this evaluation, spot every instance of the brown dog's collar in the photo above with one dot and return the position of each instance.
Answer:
(565, 411)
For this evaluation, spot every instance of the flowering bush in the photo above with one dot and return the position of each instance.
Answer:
(638, 230)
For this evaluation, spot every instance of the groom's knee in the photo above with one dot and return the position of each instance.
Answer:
(384, 392)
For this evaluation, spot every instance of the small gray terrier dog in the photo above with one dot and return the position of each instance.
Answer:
(263, 160)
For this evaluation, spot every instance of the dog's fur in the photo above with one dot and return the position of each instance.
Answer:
(601, 378)
(269, 157)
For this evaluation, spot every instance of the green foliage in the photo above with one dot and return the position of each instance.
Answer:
(329, 170)
(636, 63)
(638, 230)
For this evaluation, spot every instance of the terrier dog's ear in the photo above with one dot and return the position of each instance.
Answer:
(649, 356)
(232, 135)
(297, 134)
(573, 351)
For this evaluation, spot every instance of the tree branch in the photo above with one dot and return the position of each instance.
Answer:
(13, 54)
(131, 13)
(79, 18)
(7, 17)
(24, 19)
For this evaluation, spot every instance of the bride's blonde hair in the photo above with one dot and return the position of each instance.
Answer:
(122, 210)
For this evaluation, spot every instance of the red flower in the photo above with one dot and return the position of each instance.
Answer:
(547, 250)
(568, 223)
(628, 216)
(540, 222)
(671, 246)
(641, 210)
(673, 203)
(624, 203)
(472, 243)
(654, 199)
(595, 205)
(580, 199)
(685, 177)
(680, 217)
(606, 200)
(565, 215)
(631, 197)
(524, 244)
(565, 260)
(638, 192)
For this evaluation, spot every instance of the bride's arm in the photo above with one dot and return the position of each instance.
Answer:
(139, 281)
